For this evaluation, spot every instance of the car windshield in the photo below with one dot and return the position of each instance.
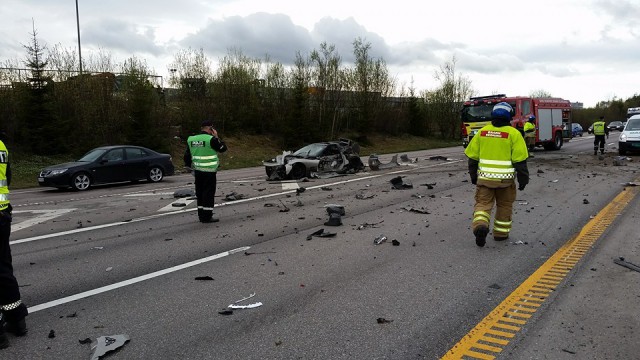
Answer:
(477, 113)
(313, 150)
(633, 124)
(615, 123)
(92, 155)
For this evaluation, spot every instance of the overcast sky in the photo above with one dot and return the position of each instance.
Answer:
(581, 50)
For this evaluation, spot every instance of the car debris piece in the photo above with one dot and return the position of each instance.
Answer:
(379, 240)
(52, 334)
(405, 159)
(335, 209)
(620, 161)
(225, 312)
(300, 190)
(320, 233)
(85, 341)
(622, 262)
(203, 278)
(245, 298)
(400, 184)
(250, 306)
(383, 321)
(107, 344)
(375, 164)
(285, 208)
(362, 196)
(415, 210)
(334, 220)
(183, 193)
(429, 186)
(178, 204)
(366, 225)
(585, 201)
(439, 157)
(233, 196)
(395, 242)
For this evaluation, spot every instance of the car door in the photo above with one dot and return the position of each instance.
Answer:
(110, 167)
(136, 163)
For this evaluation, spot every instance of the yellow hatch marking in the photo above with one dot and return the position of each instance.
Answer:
(500, 326)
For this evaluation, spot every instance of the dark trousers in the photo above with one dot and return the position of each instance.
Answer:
(599, 140)
(9, 291)
(205, 192)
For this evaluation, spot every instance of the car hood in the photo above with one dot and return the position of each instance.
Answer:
(67, 165)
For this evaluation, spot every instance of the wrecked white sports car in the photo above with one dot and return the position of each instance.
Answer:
(325, 157)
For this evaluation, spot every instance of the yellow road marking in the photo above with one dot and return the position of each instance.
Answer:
(503, 322)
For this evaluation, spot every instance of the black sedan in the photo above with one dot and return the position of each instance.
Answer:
(615, 125)
(108, 164)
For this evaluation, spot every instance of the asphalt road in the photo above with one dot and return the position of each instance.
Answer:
(124, 260)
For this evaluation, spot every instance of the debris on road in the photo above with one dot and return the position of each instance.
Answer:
(183, 193)
(335, 209)
(379, 240)
(395, 242)
(320, 233)
(245, 298)
(203, 278)
(620, 161)
(415, 210)
(367, 225)
(383, 321)
(405, 158)
(400, 184)
(585, 201)
(85, 341)
(233, 196)
(107, 344)
(363, 196)
(300, 190)
(429, 186)
(334, 220)
(225, 312)
(52, 334)
(375, 164)
(250, 306)
(622, 262)
(178, 204)
(439, 157)
(285, 208)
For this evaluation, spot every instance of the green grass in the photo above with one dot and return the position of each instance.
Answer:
(244, 151)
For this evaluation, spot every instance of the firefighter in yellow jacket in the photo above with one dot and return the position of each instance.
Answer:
(497, 158)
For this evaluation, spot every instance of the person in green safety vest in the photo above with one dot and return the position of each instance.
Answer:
(497, 157)
(202, 156)
(600, 130)
(12, 310)
(530, 133)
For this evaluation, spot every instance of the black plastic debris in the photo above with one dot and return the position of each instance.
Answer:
(320, 233)
(233, 196)
(326, 188)
(375, 164)
(225, 312)
(105, 344)
(415, 210)
(300, 190)
(369, 225)
(284, 207)
(429, 186)
(334, 220)
(335, 209)
(405, 158)
(395, 242)
(209, 278)
(362, 196)
(540, 171)
(400, 184)
(438, 157)
(85, 341)
(383, 321)
(183, 193)
(52, 334)
(495, 286)
(585, 201)
(179, 204)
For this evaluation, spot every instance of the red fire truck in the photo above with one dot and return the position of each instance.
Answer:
(551, 114)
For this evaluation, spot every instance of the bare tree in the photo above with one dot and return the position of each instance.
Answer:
(540, 93)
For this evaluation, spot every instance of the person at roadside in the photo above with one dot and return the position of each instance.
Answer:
(600, 130)
(497, 157)
(530, 133)
(202, 156)
(12, 310)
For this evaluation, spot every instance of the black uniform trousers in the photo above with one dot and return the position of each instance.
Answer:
(9, 291)
(205, 193)
(599, 140)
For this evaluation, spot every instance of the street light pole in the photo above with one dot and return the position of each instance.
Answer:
(79, 48)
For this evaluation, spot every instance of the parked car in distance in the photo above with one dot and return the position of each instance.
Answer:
(576, 130)
(615, 125)
(108, 164)
(330, 156)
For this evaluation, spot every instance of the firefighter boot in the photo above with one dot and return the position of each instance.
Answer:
(4, 341)
(481, 235)
(17, 328)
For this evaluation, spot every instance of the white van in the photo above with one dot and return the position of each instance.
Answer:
(630, 136)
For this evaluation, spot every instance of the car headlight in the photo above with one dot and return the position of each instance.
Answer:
(57, 172)
(623, 137)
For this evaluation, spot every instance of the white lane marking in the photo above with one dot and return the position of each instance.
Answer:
(151, 194)
(290, 186)
(144, 218)
(134, 280)
(184, 201)
(45, 216)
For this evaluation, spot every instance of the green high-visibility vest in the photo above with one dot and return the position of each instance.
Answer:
(4, 184)
(496, 149)
(203, 157)
(598, 128)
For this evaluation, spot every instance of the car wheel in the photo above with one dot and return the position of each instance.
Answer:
(298, 171)
(81, 181)
(155, 174)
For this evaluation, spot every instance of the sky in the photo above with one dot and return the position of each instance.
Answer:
(580, 50)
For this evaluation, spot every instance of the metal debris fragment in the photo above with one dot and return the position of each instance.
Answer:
(233, 196)
(415, 210)
(245, 298)
(250, 306)
(400, 184)
(379, 240)
(622, 262)
(320, 233)
(105, 344)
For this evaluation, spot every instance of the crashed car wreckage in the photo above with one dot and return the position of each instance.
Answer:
(339, 157)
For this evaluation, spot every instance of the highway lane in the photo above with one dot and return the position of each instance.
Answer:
(321, 298)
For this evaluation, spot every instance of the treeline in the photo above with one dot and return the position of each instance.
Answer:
(47, 107)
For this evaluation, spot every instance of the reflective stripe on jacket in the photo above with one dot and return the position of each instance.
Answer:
(4, 188)
(203, 157)
(496, 149)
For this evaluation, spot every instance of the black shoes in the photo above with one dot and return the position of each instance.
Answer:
(481, 235)
(212, 220)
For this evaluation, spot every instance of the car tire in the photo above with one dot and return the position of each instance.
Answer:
(81, 181)
(298, 171)
(155, 174)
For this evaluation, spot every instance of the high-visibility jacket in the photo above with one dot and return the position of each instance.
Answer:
(203, 157)
(4, 183)
(496, 149)
(599, 128)
(529, 130)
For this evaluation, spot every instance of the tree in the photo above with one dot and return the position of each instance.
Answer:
(540, 93)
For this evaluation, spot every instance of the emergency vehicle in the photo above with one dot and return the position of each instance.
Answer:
(551, 114)
(632, 111)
